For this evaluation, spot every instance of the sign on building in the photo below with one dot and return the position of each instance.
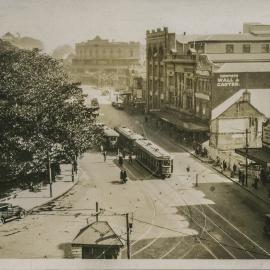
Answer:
(266, 135)
(228, 80)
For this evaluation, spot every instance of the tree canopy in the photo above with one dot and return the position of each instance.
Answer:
(42, 112)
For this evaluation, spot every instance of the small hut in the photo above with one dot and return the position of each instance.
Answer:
(96, 241)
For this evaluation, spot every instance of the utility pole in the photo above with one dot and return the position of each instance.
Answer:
(72, 172)
(197, 179)
(246, 180)
(50, 173)
(97, 211)
(128, 241)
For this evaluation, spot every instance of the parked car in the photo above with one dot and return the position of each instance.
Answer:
(9, 211)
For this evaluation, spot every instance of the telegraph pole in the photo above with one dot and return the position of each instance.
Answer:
(97, 211)
(128, 241)
(246, 180)
(50, 173)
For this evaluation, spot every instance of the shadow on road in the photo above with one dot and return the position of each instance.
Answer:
(66, 247)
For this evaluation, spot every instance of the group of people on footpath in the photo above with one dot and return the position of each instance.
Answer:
(121, 158)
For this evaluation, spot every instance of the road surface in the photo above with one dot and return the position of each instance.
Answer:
(172, 218)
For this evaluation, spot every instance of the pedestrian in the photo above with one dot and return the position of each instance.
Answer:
(122, 176)
(125, 176)
(130, 158)
(243, 178)
(124, 154)
(234, 169)
(104, 155)
(145, 119)
(101, 148)
(256, 180)
(120, 160)
(224, 165)
(240, 176)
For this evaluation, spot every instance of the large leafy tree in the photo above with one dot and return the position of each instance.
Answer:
(42, 114)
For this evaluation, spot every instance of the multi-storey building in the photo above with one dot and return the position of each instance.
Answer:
(99, 58)
(196, 70)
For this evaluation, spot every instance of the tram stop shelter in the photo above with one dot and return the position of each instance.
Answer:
(96, 241)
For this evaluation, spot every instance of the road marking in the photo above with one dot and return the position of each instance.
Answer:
(217, 213)
(148, 245)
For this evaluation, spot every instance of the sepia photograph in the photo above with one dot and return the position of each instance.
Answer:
(134, 134)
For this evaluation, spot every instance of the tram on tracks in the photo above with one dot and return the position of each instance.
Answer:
(111, 139)
(127, 138)
(154, 158)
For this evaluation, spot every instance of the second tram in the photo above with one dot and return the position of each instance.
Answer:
(127, 138)
(154, 158)
(111, 138)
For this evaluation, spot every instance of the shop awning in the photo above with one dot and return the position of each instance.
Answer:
(182, 124)
(259, 155)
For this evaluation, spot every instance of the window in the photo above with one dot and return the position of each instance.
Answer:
(131, 53)
(265, 48)
(246, 48)
(229, 48)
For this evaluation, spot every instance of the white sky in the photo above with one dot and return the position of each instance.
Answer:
(58, 22)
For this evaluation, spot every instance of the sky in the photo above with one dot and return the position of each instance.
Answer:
(59, 22)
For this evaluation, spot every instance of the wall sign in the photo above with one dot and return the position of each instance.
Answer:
(266, 135)
(228, 80)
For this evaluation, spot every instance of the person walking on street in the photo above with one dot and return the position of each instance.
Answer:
(130, 158)
(120, 160)
(122, 176)
(104, 155)
(125, 176)
(101, 148)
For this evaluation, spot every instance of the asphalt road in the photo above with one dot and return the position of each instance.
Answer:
(171, 218)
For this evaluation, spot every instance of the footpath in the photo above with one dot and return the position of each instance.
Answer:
(262, 191)
(29, 200)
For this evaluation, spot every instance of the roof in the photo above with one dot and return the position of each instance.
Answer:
(238, 57)
(153, 149)
(128, 133)
(244, 67)
(187, 124)
(110, 132)
(260, 155)
(259, 99)
(220, 37)
(98, 233)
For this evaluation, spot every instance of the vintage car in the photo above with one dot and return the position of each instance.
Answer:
(9, 211)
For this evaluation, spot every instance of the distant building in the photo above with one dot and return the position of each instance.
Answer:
(102, 62)
(27, 43)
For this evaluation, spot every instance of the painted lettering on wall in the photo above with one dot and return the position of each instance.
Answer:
(228, 80)
(266, 135)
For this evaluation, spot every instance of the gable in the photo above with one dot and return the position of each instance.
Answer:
(239, 110)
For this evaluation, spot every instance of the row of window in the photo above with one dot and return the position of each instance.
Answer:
(85, 52)
(246, 48)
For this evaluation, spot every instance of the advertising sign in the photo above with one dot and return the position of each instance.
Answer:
(266, 135)
(228, 80)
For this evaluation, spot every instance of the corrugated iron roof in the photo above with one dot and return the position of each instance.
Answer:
(238, 57)
(244, 67)
(259, 98)
(98, 233)
(220, 37)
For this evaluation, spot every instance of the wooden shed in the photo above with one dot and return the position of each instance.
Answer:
(96, 241)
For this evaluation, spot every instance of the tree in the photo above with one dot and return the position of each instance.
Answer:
(41, 112)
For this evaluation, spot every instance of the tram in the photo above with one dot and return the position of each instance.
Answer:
(154, 158)
(111, 138)
(127, 138)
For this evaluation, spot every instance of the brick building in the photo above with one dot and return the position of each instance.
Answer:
(185, 72)
(101, 62)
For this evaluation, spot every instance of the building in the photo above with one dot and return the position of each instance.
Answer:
(96, 241)
(189, 75)
(236, 123)
(241, 112)
(101, 62)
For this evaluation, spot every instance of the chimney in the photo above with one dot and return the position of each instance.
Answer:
(246, 96)
(184, 33)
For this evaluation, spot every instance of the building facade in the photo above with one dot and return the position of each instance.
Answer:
(189, 75)
(101, 62)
